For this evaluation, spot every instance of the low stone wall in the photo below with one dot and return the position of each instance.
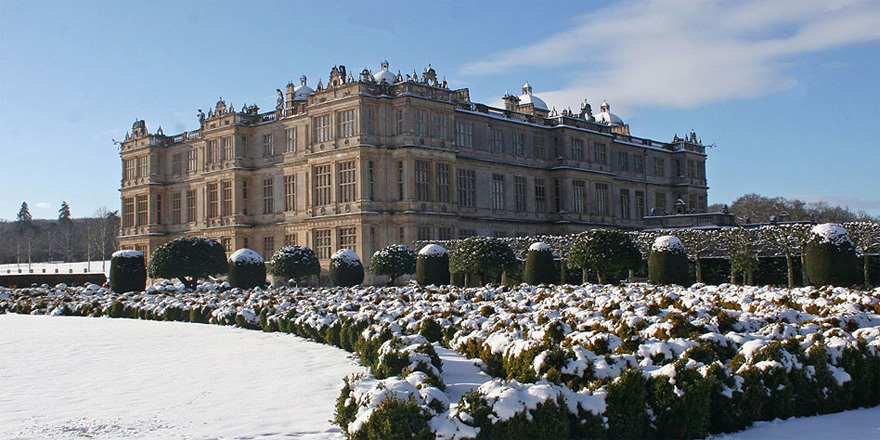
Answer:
(71, 279)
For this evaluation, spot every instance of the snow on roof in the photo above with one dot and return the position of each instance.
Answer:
(246, 256)
(384, 76)
(667, 243)
(433, 250)
(831, 233)
(347, 255)
(127, 253)
(539, 246)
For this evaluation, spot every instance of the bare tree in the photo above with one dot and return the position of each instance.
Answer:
(866, 237)
(742, 246)
(697, 242)
(102, 230)
(790, 240)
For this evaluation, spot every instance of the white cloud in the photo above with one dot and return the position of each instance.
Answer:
(43, 205)
(682, 53)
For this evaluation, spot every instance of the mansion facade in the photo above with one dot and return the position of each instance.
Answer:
(377, 159)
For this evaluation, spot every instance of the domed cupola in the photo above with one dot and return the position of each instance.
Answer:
(384, 76)
(528, 98)
(302, 91)
(606, 117)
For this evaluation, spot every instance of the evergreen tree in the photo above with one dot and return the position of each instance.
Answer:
(64, 212)
(24, 215)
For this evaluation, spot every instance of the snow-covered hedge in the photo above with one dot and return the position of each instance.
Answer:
(569, 361)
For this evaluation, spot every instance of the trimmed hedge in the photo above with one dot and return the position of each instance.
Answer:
(668, 264)
(831, 257)
(246, 269)
(540, 267)
(432, 266)
(128, 272)
(346, 269)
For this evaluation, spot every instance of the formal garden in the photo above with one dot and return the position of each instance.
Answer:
(671, 336)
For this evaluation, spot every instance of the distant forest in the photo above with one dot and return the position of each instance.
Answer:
(754, 208)
(63, 239)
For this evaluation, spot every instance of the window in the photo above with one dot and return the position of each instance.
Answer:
(176, 163)
(557, 195)
(422, 180)
(497, 140)
(268, 246)
(370, 121)
(421, 123)
(601, 154)
(370, 180)
(322, 243)
(192, 157)
(290, 239)
(499, 234)
(226, 205)
(347, 177)
(401, 235)
(244, 198)
(190, 205)
(128, 167)
(602, 207)
(443, 183)
(660, 203)
(323, 128)
(423, 233)
(243, 148)
(692, 169)
(268, 196)
(692, 202)
(400, 180)
(143, 166)
(348, 238)
(464, 134)
(625, 212)
(497, 191)
(444, 233)
(556, 152)
(659, 167)
(623, 161)
(440, 126)
(142, 210)
(579, 196)
(290, 140)
(128, 212)
(678, 171)
(212, 151)
(638, 163)
(213, 200)
(465, 233)
(226, 148)
(538, 147)
(322, 184)
(467, 189)
(518, 144)
(268, 145)
(399, 118)
(640, 204)
(577, 149)
(540, 195)
(346, 123)
(227, 244)
(290, 192)
(519, 193)
(175, 208)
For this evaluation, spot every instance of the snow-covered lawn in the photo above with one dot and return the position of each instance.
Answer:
(59, 267)
(859, 424)
(71, 377)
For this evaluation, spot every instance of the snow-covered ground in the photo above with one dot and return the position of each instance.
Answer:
(70, 377)
(859, 424)
(77, 267)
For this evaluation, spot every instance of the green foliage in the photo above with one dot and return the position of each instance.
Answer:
(188, 259)
(626, 408)
(297, 262)
(485, 256)
(669, 266)
(830, 263)
(247, 273)
(396, 419)
(432, 269)
(394, 261)
(540, 267)
(128, 272)
(346, 269)
(604, 251)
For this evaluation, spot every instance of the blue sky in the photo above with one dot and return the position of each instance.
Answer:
(788, 91)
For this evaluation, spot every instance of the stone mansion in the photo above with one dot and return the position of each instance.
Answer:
(369, 160)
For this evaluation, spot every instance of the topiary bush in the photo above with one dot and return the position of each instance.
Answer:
(540, 265)
(486, 257)
(346, 269)
(668, 262)
(247, 269)
(396, 419)
(831, 256)
(432, 266)
(394, 261)
(294, 262)
(188, 259)
(127, 271)
(604, 251)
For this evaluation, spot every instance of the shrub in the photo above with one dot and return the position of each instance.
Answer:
(604, 251)
(296, 262)
(540, 266)
(626, 408)
(432, 266)
(188, 259)
(127, 272)
(831, 256)
(394, 261)
(246, 269)
(346, 269)
(484, 256)
(396, 419)
(668, 262)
